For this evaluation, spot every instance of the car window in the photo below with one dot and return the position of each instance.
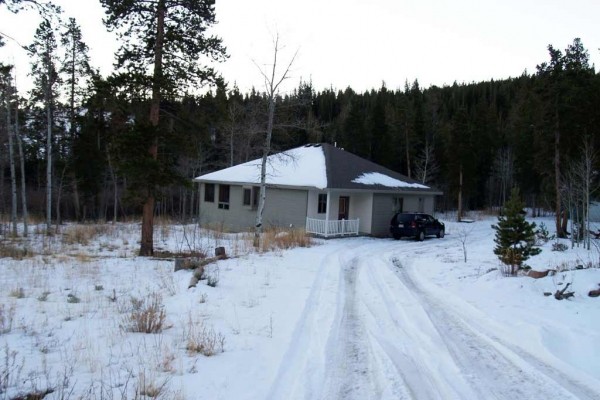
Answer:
(404, 217)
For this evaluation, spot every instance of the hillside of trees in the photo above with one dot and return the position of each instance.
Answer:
(482, 138)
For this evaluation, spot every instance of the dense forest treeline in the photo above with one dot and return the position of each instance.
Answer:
(479, 139)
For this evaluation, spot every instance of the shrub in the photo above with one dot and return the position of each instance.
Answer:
(18, 293)
(558, 246)
(212, 277)
(203, 340)
(147, 315)
(542, 235)
(71, 298)
(43, 296)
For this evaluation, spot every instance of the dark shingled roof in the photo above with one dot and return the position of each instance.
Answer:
(344, 167)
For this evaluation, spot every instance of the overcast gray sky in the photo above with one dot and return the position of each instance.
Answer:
(361, 43)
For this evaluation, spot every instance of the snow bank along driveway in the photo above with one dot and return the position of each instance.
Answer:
(373, 328)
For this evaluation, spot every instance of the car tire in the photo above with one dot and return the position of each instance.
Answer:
(441, 234)
(396, 236)
(421, 236)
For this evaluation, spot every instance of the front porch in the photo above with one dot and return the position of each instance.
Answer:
(335, 228)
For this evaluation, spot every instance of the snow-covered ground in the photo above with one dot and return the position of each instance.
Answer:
(353, 318)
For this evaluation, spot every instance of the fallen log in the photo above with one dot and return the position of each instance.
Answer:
(537, 274)
(563, 294)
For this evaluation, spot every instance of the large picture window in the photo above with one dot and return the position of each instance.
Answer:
(322, 205)
(224, 197)
(209, 192)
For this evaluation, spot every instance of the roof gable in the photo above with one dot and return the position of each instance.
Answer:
(302, 166)
(349, 171)
(320, 166)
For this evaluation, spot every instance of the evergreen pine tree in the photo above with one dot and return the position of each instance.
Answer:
(162, 42)
(515, 236)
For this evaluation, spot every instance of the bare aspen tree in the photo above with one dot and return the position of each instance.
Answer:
(580, 183)
(22, 165)
(9, 130)
(425, 166)
(272, 82)
(235, 113)
(462, 236)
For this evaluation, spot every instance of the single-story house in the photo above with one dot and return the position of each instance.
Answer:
(320, 187)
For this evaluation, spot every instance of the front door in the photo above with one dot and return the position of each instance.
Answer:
(344, 207)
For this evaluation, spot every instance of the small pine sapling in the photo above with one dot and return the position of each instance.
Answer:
(515, 237)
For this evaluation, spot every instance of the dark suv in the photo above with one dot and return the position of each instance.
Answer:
(416, 225)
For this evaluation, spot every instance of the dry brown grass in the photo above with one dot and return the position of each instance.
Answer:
(15, 251)
(147, 315)
(200, 339)
(84, 234)
(278, 238)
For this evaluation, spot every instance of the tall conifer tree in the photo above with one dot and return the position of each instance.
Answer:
(163, 41)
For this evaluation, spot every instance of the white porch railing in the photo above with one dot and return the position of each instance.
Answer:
(326, 228)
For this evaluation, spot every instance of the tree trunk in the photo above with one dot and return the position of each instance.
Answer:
(59, 197)
(147, 243)
(272, 87)
(48, 160)
(263, 171)
(23, 180)
(115, 186)
(13, 176)
(459, 213)
(72, 126)
(560, 231)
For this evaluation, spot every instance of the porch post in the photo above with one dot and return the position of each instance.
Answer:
(327, 214)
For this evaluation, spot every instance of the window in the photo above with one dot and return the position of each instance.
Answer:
(224, 197)
(322, 207)
(247, 198)
(250, 197)
(209, 192)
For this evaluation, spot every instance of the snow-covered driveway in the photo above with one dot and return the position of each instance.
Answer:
(370, 330)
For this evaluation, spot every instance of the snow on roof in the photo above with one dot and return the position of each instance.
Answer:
(302, 166)
(376, 178)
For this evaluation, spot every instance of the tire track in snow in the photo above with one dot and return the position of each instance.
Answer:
(351, 372)
(493, 369)
(408, 339)
(368, 331)
(304, 366)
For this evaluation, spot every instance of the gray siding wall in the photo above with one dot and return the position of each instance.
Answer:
(283, 207)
